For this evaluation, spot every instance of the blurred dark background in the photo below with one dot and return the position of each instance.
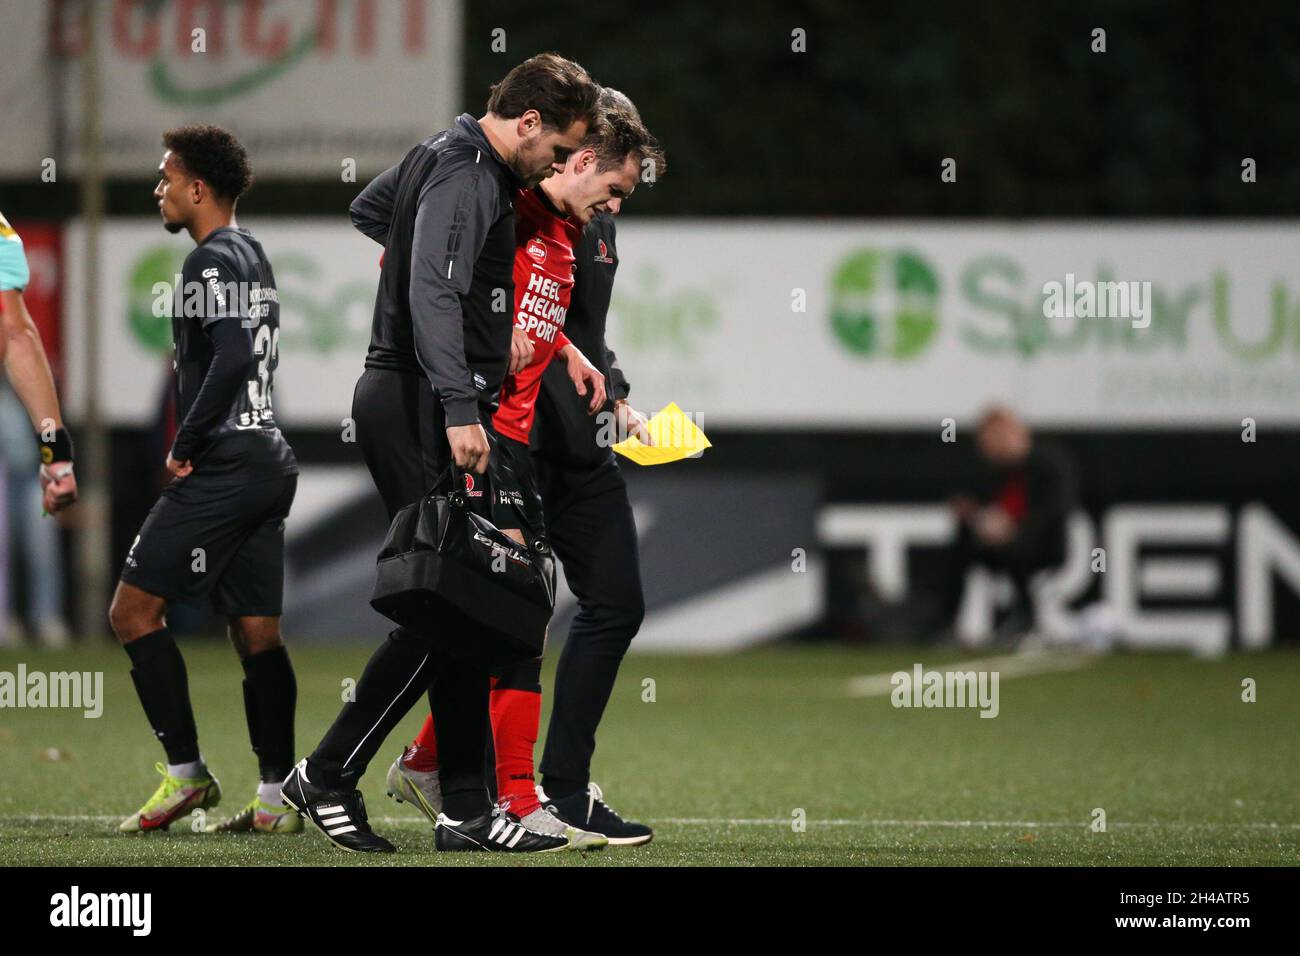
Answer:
(1039, 125)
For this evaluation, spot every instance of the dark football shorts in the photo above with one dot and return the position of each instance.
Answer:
(516, 496)
(224, 541)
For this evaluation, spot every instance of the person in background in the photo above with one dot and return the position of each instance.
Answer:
(28, 371)
(34, 542)
(1015, 519)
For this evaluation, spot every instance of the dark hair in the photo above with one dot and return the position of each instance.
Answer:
(621, 134)
(559, 89)
(213, 155)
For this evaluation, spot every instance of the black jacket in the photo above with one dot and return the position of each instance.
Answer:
(1051, 494)
(564, 433)
(445, 215)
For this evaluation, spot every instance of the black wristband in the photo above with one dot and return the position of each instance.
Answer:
(60, 449)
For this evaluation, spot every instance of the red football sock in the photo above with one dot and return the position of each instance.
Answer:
(516, 716)
(422, 755)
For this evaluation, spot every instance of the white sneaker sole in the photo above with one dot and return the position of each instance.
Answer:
(631, 841)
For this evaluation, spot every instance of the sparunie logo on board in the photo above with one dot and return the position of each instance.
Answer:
(885, 304)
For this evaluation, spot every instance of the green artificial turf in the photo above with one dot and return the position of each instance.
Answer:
(733, 751)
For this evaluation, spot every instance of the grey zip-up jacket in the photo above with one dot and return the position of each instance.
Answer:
(445, 216)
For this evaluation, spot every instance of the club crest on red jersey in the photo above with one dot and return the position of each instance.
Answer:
(537, 250)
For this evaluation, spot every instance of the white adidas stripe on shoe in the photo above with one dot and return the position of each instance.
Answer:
(505, 832)
(500, 832)
(339, 815)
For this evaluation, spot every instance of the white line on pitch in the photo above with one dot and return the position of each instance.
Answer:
(965, 824)
(1023, 664)
(783, 821)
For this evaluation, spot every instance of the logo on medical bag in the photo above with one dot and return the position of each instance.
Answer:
(469, 487)
(537, 249)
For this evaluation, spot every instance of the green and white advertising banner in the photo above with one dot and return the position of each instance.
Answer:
(763, 324)
(306, 86)
(901, 324)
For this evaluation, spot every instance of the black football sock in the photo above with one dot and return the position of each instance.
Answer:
(489, 761)
(397, 675)
(270, 695)
(459, 700)
(158, 671)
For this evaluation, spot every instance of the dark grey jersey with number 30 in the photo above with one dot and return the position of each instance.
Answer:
(226, 329)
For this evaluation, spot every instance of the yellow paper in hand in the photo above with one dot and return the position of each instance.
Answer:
(675, 437)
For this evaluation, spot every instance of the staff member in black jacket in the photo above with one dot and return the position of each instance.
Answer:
(438, 354)
(590, 522)
(1016, 520)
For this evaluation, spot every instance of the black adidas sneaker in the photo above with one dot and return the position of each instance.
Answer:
(339, 814)
(587, 810)
(500, 832)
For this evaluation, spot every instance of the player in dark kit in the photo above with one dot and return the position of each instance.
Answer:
(439, 349)
(218, 529)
